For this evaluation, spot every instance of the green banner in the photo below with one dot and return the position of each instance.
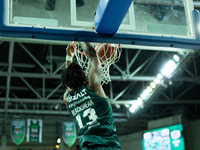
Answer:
(34, 130)
(18, 130)
(69, 133)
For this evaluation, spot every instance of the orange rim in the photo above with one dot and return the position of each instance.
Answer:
(82, 53)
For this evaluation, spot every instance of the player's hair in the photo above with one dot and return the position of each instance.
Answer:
(72, 76)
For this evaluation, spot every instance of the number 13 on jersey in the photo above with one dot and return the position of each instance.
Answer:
(90, 113)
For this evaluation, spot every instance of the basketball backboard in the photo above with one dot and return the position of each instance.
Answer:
(65, 14)
(150, 23)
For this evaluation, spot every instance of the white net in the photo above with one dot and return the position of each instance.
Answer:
(108, 55)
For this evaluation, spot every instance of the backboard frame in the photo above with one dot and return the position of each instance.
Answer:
(92, 36)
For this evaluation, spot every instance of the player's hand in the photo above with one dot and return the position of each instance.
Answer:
(70, 49)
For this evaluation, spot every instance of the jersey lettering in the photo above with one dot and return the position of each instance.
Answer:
(75, 97)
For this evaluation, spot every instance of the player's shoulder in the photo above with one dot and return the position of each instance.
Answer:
(65, 95)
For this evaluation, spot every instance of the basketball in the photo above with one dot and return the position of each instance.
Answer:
(107, 53)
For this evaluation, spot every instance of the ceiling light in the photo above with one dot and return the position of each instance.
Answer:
(58, 140)
(176, 58)
(159, 76)
(139, 100)
(143, 96)
(117, 106)
(153, 85)
(146, 92)
(164, 71)
(171, 63)
(149, 89)
(169, 67)
(127, 105)
(133, 108)
(156, 81)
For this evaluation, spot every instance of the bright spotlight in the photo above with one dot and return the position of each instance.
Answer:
(57, 146)
(143, 96)
(156, 81)
(164, 71)
(153, 85)
(133, 108)
(127, 105)
(139, 101)
(58, 140)
(176, 58)
(159, 76)
(117, 106)
(169, 67)
(171, 63)
(146, 92)
(149, 89)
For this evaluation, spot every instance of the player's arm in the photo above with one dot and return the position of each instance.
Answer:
(95, 70)
(69, 54)
(65, 97)
(69, 58)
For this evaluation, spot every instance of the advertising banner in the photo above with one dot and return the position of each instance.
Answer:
(34, 130)
(69, 133)
(18, 130)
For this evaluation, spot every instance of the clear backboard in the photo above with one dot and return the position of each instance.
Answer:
(65, 14)
(152, 22)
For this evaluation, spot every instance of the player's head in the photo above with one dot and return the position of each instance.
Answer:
(73, 76)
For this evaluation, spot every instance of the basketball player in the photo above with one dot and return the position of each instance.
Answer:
(87, 103)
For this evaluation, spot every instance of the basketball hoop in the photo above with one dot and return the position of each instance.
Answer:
(108, 55)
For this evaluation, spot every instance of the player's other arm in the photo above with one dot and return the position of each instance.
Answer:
(95, 70)
(69, 54)
(69, 58)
